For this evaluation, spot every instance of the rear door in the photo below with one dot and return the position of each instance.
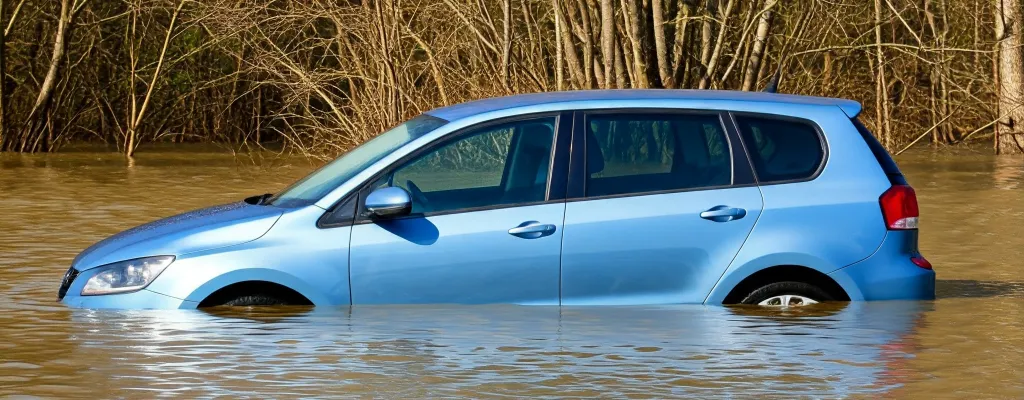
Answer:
(660, 202)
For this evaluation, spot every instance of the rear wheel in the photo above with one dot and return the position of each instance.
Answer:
(787, 294)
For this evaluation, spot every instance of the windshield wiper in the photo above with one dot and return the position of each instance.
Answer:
(259, 200)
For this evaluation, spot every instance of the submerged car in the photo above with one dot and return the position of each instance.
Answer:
(567, 198)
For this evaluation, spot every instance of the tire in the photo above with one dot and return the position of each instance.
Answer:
(787, 288)
(254, 300)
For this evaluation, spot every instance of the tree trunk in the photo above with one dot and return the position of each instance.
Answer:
(569, 50)
(608, 42)
(933, 77)
(706, 33)
(881, 87)
(1010, 78)
(631, 17)
(706, 38)
(3, 79)
(680, 45)
(716, 54)
(588, 45)
(620, 67)
(506, 46)
(661, 48)
(947, 126)
(559, 67)
(757, 53)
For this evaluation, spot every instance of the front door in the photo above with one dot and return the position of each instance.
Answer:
(486, 222)
(662, 204)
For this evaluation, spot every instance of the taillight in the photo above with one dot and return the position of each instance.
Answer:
(920, 261)
(899, 207)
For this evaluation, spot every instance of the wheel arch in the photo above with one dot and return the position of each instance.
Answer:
(791, 265)
(248, 288)
(267, 277)
(783, 273)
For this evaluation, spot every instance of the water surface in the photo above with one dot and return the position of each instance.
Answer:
(969, 343)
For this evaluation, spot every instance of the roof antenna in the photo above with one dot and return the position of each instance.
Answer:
(773, 84)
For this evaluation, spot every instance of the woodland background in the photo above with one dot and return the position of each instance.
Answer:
(320, 76)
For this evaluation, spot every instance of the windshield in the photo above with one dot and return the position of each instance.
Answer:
(314, 186)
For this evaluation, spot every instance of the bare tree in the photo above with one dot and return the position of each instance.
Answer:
(136, 111)
(320, 76)
(608, 41)
(661, 48)
(757, 52)
(3, 77)
(881, 87)
(1011, 77)
(631, 17)
(569, 49)
(681, 45)
(37, 117)
(716, 54)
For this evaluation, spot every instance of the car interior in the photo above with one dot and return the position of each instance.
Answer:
(689, 164)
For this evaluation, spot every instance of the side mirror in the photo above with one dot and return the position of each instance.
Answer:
(388, 202)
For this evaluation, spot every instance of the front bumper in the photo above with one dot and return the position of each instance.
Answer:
(141, 300)
(888, 274)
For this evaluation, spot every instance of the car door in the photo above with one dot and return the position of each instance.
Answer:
(486, 220)
(659, 204)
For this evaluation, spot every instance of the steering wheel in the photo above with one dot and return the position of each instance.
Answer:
(417, 195)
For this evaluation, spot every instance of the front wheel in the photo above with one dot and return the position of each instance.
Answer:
(787, 294)
(254, 300)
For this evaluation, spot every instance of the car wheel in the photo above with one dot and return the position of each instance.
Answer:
(254, 300)
(787, 294)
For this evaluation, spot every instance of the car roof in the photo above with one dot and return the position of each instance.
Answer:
(467, 109)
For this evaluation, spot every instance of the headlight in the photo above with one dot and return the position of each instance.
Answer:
(126, 276)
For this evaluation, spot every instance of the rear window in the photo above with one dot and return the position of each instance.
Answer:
(884, 159)
(781, 149)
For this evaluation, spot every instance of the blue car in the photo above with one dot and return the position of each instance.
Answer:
(619, 197)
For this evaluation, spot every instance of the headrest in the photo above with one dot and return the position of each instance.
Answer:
(693, 144)
(536, 135)
(595, 158)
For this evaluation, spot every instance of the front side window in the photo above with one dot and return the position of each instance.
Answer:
(322, 181)
(639, 153)
(781, 149)
(497, 165)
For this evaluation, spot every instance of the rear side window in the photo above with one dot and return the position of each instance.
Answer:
(781, 149)
(639, 153)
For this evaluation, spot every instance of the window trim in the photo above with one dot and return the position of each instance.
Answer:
(558, 165)
(742, 174)
(822, 141)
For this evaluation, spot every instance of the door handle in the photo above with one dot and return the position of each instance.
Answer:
(723, 213)
(532, 230)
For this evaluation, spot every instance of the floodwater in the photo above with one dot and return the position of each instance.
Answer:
(968, 344)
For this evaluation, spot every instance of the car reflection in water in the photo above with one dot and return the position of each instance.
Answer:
(429, 351)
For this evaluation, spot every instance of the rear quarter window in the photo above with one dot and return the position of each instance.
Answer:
(781, 149)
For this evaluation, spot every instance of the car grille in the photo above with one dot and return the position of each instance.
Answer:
(65, 283)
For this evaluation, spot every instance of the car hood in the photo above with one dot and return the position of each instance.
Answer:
(204, 229)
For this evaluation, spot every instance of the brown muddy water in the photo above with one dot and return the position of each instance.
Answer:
(967, 344)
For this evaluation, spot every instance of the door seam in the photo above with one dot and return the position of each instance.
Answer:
(738, 251)
(351, 231)
(561, 252)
